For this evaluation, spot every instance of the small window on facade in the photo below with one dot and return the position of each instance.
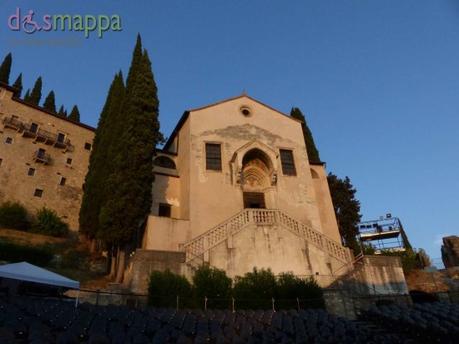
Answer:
(31, 171)
(41, 153)
(1, 160)
(33, 127)
(60, 137)
(87, 146)
(38, 193)
(288, 164)
(213, 157)
(69, 161)
(9, 140)
(164, 210)
(62, 181)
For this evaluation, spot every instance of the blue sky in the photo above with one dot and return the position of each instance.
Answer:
(377, 80)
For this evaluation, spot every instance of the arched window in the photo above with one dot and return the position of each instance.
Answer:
(164, 161)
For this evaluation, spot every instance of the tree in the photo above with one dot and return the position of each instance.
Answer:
(18, 85)
(347, 210)
(423, 258)
(100, 161)
(165, 287)
(255, 289)
(50, 102)
(313, 153)
(74, 114)
(27, 96)
(290, 287)
(62, 112)
(35, 95)
(135, 135)
(214, 284)
(5, 69)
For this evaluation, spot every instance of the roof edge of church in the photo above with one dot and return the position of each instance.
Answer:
(185, 115)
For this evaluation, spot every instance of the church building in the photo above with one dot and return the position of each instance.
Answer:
(234, 188)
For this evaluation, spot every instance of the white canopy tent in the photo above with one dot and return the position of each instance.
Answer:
(27, 272)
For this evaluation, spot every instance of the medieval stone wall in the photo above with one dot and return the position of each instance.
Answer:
(22, 172)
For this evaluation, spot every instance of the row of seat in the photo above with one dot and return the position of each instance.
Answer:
(35, 320)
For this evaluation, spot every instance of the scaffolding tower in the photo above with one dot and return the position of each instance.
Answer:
(386, 233)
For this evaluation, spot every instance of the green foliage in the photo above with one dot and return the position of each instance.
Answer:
(18, 85)
(368, 249)
(255, 289)
(410, 259)
(35, 95)
(289, 287)
(5, 69)
(134, 138)
(423, 258)
(165, 286)
(14, 253)
(50, 102)
(101, 161)
(14, 216)
(62, 112)
(347, 210)
(75, 259)
(27, 96)
(214, 284)
(313, 153)
(74, 114)
(47, 222)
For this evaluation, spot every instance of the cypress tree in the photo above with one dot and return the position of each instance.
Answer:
(61, 111)
(5, 69)
(35, 95)
(74, 114)
(347, 210)
(18, 85)
(27, 96)
(50, 102)
(100, 162)
(123, 215)
(313, 153)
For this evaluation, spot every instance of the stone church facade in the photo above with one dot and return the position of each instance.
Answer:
(234, 188)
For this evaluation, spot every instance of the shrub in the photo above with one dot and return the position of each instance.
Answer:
(17, 253)
(214, 284)
(289, 288)
(164, 287)
(255, 289)
(13, 215)
(75, 259)
(48, 222)
(408, 258)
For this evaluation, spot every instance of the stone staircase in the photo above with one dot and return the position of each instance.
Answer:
(196, 248)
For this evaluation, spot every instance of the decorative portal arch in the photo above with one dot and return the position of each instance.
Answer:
(254, 164)
(256, 170)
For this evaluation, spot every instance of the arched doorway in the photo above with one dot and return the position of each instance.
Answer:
(256, 178)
